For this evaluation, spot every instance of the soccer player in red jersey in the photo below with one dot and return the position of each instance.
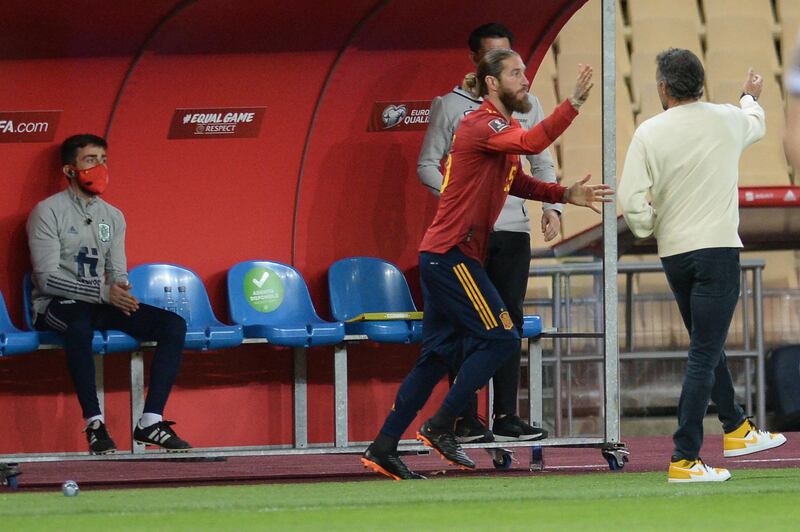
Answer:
(462, 306)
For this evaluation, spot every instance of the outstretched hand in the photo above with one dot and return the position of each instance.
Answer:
(586, 195)
(582, 86)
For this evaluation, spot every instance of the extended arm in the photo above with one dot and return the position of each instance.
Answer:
(755, 125)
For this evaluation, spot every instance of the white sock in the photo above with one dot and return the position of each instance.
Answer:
(92, 419)
(148, 419)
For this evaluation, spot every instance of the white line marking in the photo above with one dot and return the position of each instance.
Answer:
(769, 460)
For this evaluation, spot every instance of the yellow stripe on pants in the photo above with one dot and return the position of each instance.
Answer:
(474, 294)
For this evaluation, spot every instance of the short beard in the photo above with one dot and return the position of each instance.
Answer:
(511, 103)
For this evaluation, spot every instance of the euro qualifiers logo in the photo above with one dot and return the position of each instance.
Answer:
(400, 116)
(393, 115)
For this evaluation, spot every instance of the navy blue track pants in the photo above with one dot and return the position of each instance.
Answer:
(462, 311)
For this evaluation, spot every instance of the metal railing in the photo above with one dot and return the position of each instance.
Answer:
(563, 357)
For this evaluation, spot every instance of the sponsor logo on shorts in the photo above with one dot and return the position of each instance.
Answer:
(400, 116)
(228, 122)
(28, 126)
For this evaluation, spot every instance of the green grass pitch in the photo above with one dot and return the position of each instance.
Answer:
(752, 500)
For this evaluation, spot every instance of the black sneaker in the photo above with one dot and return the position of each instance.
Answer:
(444, 442)
(99, 440)
(472, 430)
(389, 465)
(512, 428)
(162, 435)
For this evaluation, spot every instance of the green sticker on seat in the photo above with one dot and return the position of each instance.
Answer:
(263, 289)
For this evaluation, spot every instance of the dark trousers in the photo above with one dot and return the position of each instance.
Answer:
(77, 320)
(508, 262)
(706, 287)
(463, 311)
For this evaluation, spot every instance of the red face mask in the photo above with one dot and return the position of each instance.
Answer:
(93, 180)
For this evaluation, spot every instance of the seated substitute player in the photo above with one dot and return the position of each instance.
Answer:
(80, 283)
(462, 307)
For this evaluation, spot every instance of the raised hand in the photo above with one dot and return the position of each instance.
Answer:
(753, 84)
(586, 195)
(582, 86)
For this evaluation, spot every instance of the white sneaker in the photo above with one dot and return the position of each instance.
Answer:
(749, 439)
(695, 471)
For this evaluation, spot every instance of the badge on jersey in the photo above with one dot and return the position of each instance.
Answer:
(104, 232)
(506, 319)
(498, 125)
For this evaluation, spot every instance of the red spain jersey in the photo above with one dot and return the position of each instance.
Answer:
(482, 168)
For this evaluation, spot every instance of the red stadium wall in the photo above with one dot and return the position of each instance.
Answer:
(313, 187)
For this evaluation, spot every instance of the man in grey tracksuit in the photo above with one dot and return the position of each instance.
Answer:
(509, 251)
(80, 283)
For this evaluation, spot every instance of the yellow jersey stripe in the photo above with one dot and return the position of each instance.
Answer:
(447, 166)
(475, 295)
(481, 299)
(468, 291)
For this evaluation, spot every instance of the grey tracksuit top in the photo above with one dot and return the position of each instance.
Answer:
(446, 113)
(77, 249)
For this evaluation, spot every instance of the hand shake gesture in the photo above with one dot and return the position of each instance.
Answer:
(586, 195)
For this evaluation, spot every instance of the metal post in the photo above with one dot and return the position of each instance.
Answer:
(612, 401)
(137, 395)
(559, 363)
(629, 311)
(340, 393)
(557, 352)
(535, 390)
(748, 364)
(761, 407)
(300, 398)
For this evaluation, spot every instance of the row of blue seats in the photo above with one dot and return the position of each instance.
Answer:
(268, 300)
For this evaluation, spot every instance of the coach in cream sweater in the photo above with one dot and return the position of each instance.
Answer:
(685, 160)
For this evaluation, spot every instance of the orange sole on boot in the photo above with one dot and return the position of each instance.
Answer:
(378, 469)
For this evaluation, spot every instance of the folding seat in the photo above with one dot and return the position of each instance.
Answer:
(726, 34)
(749, 9)
(790, 30)
(732, 65)
(764, 164)
(787, 9)
(12, 340)
(648, 9)
(203, 329)
(372, 298)
(658, 34)
(270, 300)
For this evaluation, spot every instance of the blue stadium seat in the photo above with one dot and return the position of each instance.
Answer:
(271, 300)
(372, 297)
(203, 329)
(103, 342)
(12, 340)
(531, 326)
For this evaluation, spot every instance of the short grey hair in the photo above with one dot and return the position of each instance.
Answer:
(682, 72)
